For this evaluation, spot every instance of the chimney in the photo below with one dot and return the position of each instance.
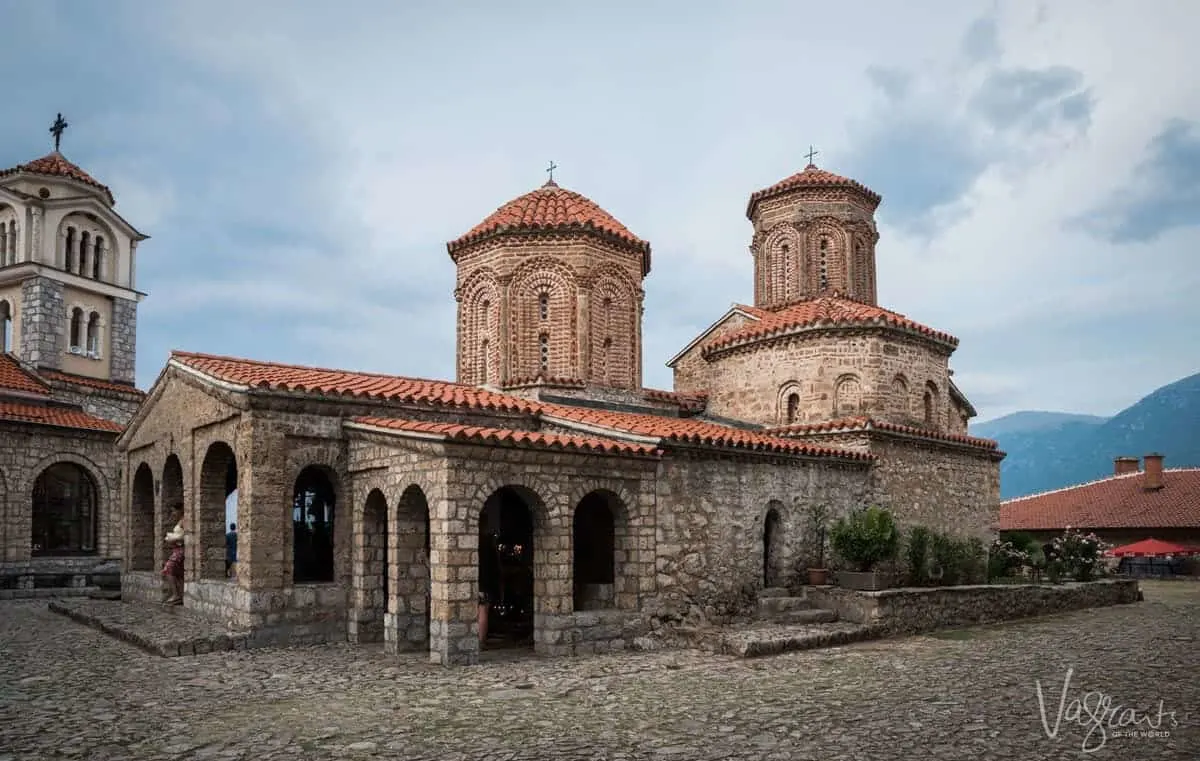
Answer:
(1123, 465)
(1152, 479)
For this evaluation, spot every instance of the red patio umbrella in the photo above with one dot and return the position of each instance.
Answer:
(1153, 548)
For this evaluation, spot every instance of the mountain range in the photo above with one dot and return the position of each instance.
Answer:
(1050, 450)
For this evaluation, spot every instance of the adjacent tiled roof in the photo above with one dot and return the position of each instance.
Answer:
(824, 311)
(688, 402)
(549, 208)
(812, 177)
(852, 424)
(13, 377)
(1113, 502)
(56, 165)
(455, 432)
(90, 382)
(339, 383)
(693, 431)
(59, 417)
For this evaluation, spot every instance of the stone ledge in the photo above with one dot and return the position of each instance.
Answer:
(773, 640)
(144, 628)
(43, 592)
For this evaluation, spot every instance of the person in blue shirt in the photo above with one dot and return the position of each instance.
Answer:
(231, 550)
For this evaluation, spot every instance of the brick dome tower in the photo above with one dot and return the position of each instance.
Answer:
(549, 292)
(814, 234)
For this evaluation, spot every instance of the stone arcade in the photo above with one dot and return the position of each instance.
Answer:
(583, 505)
(68, 319)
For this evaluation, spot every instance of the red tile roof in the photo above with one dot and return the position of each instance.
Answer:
(90, 382)
(56, 165)
(482, 435)
(13, 377)
(820, 312)
(1113, 502)
(851, 424)
(549, 208)
(812, 177)
(59, 417)
(339, 383)
(688, 402)
(693, 431)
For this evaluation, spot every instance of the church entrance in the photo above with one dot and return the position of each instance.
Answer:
(772, 550)
(506, 567)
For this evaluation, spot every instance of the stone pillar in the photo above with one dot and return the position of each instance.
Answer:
(122, 341)
(43, 322)
(454, 612)
(264, 515)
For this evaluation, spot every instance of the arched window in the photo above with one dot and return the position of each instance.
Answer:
(85, 252)
(544, 352)
(544, 306)
(64, 511)
(6, 327)
(4, 257)
(823, 262)
(93, 334)
(76, 328)
(12, 242)
(928, 408)
(98, 259)
(793, 408)
(69, 254)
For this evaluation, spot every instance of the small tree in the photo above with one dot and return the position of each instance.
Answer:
(866, 538)
(818, 526)
(917, 554)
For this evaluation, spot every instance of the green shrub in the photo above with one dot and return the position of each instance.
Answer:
(865, 538)
(975, 571)
(947, 559)
(917, 553)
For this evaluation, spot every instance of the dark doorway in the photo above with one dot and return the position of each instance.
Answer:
(312, 527)
(594, 542)
(506, 567)
(772, 539)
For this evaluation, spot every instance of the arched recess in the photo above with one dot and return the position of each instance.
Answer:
(65, 511)
(613, 317)
(900, 403)
(543, 301)
(170, 500)
(785, 276)
(313, 537)
(8, 235)
(409, 572)
(774, 569)
(85, 246)
(789, 404)
(826, 258)
(931, 406)
(602, 548)
(370, 568)
(141, 520)
(847, 396)
(479, 327)
(218, 479)
(507, 524)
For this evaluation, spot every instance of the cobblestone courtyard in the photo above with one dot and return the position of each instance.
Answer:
(67, 691)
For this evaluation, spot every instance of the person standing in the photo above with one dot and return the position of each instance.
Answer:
(173, 569)
(231, 551)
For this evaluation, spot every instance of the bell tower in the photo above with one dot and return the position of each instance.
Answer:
(814, 234)
(67, 270)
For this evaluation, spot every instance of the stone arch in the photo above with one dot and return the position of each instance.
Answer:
(774, 565)
(170, 498)
(513, 562)
(603, 551)
(8, 235)
(65, 515)
(901, 404)
(847, 396)
(370, 573)
(315, 493)
(218, 479)
(826, 256)
(409, 571)
(479, 327)
(784, 280)
(789, 403)
(533, 280)
(613, 317)
(931, 417)
(104, 491)
(85, 245)
(142, 538)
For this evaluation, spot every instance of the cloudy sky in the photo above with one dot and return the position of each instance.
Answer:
(300, 166)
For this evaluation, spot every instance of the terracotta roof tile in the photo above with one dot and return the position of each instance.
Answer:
(693, 431)
(812, 177)
(850, 424)
(688, 402)
(59, 417)
(550, 208)
(13, 377)
(56, 165)
(819, 312)
(483, 435)
(1113, 502)
(541, 380)
(90, 382)
(326, 382)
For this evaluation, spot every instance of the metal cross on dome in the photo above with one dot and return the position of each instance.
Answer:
(811, 153)
(56, 129)
(550, 171)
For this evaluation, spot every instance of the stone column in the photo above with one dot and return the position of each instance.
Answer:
(264, 515)
(454, 603)
(36, 223)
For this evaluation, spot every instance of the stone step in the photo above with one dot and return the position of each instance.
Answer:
(774, 592)
(104, 594)
(775, 639)
(773, 606)
(804, 616)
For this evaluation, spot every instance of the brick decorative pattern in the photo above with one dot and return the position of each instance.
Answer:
(43, 322)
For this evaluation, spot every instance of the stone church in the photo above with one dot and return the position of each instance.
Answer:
(68, 317)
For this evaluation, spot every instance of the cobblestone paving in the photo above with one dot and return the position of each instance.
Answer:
(68, 691)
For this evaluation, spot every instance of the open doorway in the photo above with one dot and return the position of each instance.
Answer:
(506, 567)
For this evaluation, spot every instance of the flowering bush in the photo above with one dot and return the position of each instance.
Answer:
(1080, 554)
(1004, 558)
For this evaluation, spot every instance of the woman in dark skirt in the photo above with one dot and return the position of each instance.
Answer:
(173, 569)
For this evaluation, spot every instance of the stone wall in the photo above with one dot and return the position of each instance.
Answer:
(911, 610)
(589, 632)
(711, 516)
(835, 374)
(691, 370)
(123, 341)
(26, 451)
(43, 322)
(103, 403)
(944, 486)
